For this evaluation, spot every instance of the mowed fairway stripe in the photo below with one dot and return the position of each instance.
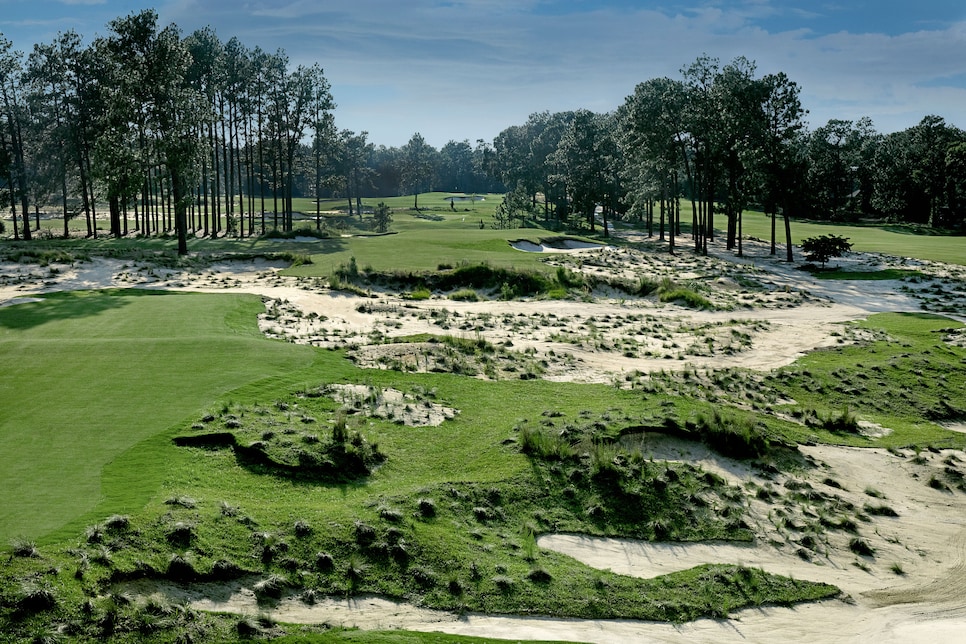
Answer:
(87, 377)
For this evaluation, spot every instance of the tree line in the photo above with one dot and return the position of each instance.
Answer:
(188, 134)
(191, 135)
(726, 140)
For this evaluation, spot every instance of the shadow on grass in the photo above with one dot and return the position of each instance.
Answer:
(339, 465)
(67, 305)
(884, 274)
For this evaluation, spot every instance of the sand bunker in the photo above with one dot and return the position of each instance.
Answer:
(19, 300)
(390, 404)
(554, 246)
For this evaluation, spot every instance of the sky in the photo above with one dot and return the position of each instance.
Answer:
(467, 69)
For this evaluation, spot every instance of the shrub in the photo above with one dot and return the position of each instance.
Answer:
(545, 446)
(465, 295)
(355, 570)
(94, 533)
(646, 286)
(181, 501)
(569, 279)
(686, 296)
(427, 507)
(824, 247)
(455, 587)
(180, 569)
(880, 510)
(224, 570)
(861, 547)
(180, 533)
(302, 528)
(418, 294)
(539, 576)
(324, 562)
(845, 422)
(391, 514)
(34, 599)
(269, 588)
(248, 628)
(117, 523)
(24, 548)
(365, 533)
(423, 576)
(504, 583)
(339, 430)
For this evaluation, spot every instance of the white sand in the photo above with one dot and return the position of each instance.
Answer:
(565, 246)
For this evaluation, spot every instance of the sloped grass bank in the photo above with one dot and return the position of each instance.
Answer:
(94, 374)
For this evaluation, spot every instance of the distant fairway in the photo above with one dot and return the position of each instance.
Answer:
(89, 375)
(898, 240)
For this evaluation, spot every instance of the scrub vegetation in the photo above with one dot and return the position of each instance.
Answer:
(229, 458)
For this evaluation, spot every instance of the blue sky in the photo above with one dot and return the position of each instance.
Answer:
(466, 69)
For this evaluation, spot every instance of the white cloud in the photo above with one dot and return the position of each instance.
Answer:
(469, 68)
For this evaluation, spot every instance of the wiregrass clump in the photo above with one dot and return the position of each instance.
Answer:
(731, 433)
(608, 484)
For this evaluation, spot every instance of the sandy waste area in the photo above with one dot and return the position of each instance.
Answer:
(912, 590)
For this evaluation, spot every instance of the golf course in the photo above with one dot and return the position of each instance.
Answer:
(453, 432)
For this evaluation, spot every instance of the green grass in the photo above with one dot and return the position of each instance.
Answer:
(423, 250)
(99, 376)
(901, 241)
(884, 274)
(905, 378)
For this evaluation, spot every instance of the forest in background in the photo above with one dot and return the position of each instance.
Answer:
(187, 134)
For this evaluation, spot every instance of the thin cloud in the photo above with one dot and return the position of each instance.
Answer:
(466, 69)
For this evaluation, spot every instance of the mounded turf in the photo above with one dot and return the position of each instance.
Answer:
(93, 374)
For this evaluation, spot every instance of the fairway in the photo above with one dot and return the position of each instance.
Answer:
(92, 374)
(900, 241)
